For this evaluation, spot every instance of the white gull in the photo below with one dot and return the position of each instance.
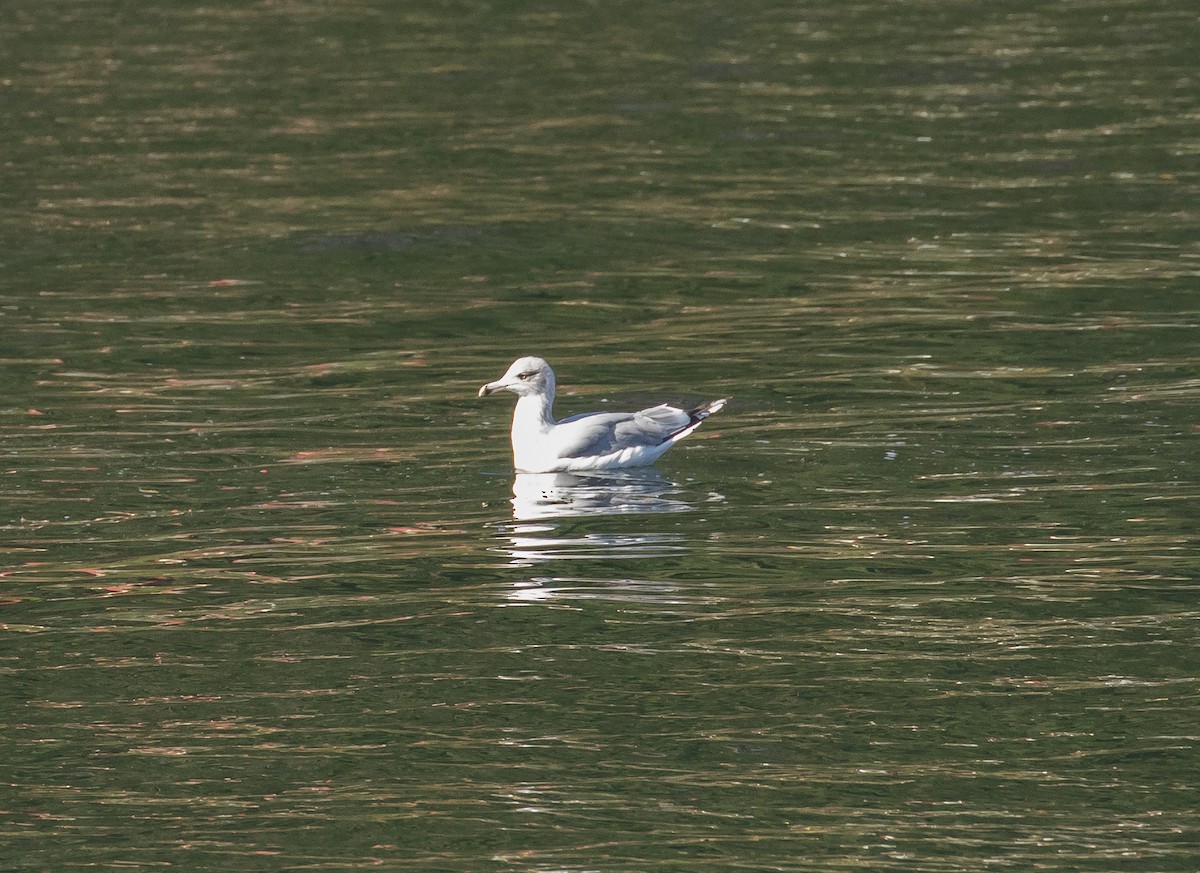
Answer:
(593, 440)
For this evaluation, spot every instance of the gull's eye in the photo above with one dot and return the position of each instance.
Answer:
(527, 375)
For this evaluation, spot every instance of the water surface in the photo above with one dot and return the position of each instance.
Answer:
(921, 598)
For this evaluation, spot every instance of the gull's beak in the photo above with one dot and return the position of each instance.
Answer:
(492, 388)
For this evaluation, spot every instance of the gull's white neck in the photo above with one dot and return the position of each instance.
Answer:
(532, 422)
(534, 411)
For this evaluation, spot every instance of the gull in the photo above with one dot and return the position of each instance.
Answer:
(593, 440)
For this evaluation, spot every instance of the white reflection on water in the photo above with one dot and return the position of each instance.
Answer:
(542, 497)
(554, 495)
(643, 592)
(532, 544)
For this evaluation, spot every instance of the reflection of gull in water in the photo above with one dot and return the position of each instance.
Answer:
(532, 544)
(540, 497)
(647, 596)
(551, 495)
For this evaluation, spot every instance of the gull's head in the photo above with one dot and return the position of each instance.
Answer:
(527, 377)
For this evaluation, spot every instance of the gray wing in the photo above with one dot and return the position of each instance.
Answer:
(601, 433)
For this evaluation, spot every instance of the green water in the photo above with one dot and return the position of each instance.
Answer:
(922, 598)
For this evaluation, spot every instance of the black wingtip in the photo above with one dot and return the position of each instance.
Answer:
(704, 410)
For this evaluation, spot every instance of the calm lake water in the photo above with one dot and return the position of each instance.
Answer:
(923, 597)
